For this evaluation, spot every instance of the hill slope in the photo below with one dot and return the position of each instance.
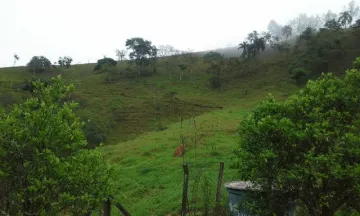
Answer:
(141, 116)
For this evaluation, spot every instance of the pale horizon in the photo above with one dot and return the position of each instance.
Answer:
(88, 30)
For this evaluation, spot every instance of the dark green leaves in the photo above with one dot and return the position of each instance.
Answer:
(44, 167)
(307, 146)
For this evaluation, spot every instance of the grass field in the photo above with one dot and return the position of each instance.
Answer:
(129, 110)
(148, 177)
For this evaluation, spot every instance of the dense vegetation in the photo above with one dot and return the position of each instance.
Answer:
(45, 168)
(162, 97)
(307, 148)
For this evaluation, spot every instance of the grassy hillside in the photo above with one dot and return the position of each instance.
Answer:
(141, 116)
(149, 178)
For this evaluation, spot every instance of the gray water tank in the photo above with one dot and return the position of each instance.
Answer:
(237, 191)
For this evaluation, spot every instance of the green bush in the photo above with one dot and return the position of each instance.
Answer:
(356, 63)
(298, 73)
(146, 72)
(44, 166)
(94, 134)
(215, 82)
(8, 99)
(306, 148)
(39, 64)
(130, 74)
(29, 85)
(105, 62)
(111, 73)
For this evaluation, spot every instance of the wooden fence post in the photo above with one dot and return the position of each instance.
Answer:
(219, 185)
(107, 207)
(120, 207)
(185, 189)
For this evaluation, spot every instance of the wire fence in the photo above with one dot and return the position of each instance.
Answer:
(157, 194)
(151, 180)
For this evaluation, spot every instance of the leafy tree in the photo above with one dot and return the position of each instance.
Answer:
(255, 44)
(274, 28)
(329, 16)
(215, 81)
(345, 18)
(244, 46)
(298, 73)
(44, 166)
(182, 68)
(286, 31)
(142, 50)
(306, 148)
(166, 50)
(352, 8)
(120, 54)
(212, 56)
(333, 25)
(215, 60)
(38, 64)
(303, 21)
(190, 59)
(65, 61)
(267, 36)
(281, 47)
(356, 24)
(253, 36)
(307, 34)
(105, 61)
(16, 58)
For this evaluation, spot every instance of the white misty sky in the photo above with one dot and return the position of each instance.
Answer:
(87, 30)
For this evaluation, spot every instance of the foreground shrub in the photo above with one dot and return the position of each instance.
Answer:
(305, 149)
(356, 63)
(44, 166)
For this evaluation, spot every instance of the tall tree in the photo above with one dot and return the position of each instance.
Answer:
(356, 24)
(353, 9)
(274, 28)
(286, 31)
(253, 36)
(244, 46)
(333, 25)
(345, 18)
(329, 15)
(142, 50)
(267, 36)
(16, 58)
(303, 21)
